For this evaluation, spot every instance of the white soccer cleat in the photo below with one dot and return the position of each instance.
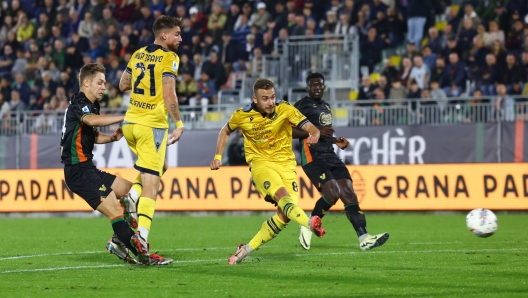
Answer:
(372, 241)
(240, 255)
(116, 247)
(305, 238)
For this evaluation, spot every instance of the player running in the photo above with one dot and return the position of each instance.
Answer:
(266, 126)
(151, 75)
(99, 189)
(326, 171)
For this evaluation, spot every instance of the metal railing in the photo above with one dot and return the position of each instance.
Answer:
(345, 113)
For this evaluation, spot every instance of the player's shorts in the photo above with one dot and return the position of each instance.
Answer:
(88, 182)
(150, 146)
(324, 168)
(271, 176)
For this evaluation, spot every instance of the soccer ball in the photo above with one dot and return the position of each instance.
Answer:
(482, 222)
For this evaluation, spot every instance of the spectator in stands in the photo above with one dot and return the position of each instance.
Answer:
(113, 69)
(412, 51)
(198, 20)
(267, 41)
(5, 88)
(351, 9)
(7, 27)
(216, 70)
(45, 97)
(115, 98)
(363, 24)
(396, 27)
(67, 82)
(503, 17)
(453, 18)
(420, 73)
(502, 105)
(6, 61)
(47, 82)
(524, 67)
(146, 37)
(300, 26)
(366, 91)
(438, 94)
(417, 13)
(384, 86)
(146, 20)
(330, 23)
(435, 42)
(389, 71)
(397, 90)
(452, 47)
(453, 78)
(228, 49)
(17, 105)
(438, 71)
(72, 25)
(209, 46)
(415, 91)
(404, 75)
(469, 14)
(514, 38)
(205, 93)
(185, 65)
(494, 34)
(80, 43)
(371, 50)
(20, 64)
(511, 74)
(486, 9)
(281, 15)
(216, 24)
(499, 52)
(429, 57)
(5, 107)
(232, 17)
(465, 37)
(108, 20)
(187, 88)
(59, 53)
(44, 22)
(242, 28)
(261, 17)
(22, 88)
(25, 30)
(198, 64)
(477, 58)
(344, 26)
(56, 34)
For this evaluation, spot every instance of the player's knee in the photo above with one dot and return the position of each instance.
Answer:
(280, 193)
(349, 197)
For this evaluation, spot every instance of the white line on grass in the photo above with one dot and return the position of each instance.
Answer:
(284, 256)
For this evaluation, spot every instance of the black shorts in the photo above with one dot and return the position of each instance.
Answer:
(88, 182)
(324, 168)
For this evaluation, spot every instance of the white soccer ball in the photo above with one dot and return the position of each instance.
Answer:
(482, 222)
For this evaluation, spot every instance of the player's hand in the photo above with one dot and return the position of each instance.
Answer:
(327, 131)
(117, 135)
(175, 136)
(313, 139)
(342, 143)
(216, 164)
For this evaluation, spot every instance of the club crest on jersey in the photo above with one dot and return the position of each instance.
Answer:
(325, 119)
(273, 116)
(174, 66)
(86, 109)
(267, 184)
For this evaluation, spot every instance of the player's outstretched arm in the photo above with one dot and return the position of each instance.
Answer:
(171, 101)
(125, 83)
(314, 133)
(326, 131)
(100, 120)
(101, 138)
(223, 137)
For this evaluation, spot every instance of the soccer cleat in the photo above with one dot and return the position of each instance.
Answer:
(116, 247)
(142, 247)
(305, 237)
(372, 241)
(315, 226)
(156, 259)
(129, 211)
(240, 255)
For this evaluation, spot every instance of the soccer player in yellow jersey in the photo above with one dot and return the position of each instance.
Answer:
(151, 75)
(267, 128)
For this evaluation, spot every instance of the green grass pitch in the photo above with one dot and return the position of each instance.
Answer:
(426, 256)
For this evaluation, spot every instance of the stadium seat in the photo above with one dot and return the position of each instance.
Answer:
(395, 60)
(213, 116)
(374, 77)
(353, 95)
(340, 117)
(441, 25)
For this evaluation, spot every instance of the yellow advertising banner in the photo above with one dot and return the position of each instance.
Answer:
(395, 187)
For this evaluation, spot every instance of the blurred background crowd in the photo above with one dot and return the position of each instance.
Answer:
(415, 48)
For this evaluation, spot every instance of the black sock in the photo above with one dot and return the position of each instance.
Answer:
(321, 207)
(123, 232)
(357, 218)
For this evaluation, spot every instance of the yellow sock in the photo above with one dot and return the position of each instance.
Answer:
(293, 211)
(270, 229)
(145, 212)
(136, 189)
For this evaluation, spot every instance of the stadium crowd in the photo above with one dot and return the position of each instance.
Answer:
(481, 49)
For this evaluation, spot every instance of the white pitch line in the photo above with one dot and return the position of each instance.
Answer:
(50, 255)
(278, 257)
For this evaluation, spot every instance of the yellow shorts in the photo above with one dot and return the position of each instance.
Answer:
(270, 176)
(150, 146)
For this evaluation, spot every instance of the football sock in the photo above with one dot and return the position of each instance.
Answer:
(357, 218)
(136, 189)
(269, 230)
(293, 211)
(321, 207)
(145, 211)
(123, 232)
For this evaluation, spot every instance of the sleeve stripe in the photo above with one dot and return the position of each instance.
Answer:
(228, 127)
(128, 70)
(169, 74)
(303, 123)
